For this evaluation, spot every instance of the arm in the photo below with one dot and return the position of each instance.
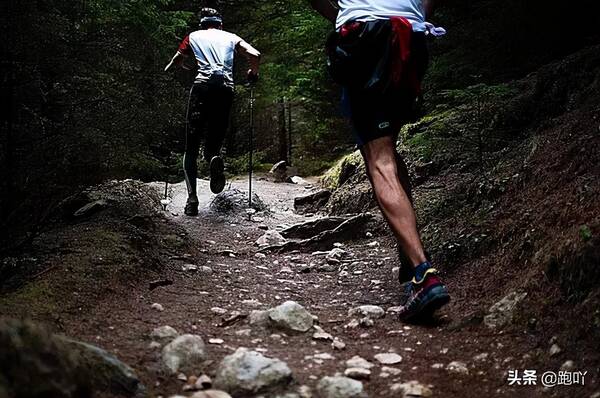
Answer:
(325, 8)
(176, 60)
(183, 51)
(252, 55)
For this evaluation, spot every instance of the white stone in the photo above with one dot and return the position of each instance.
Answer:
(390, 358)
(249, 372)
(358, 362)
(358, 373)
(164, 333)
(184, 353)
(412, 389)
(369, 311)
(157, 307)
(271, 238)
(291, 316)
(340, 387)
(457, 367)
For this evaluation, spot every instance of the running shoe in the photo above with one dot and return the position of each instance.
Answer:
(217, 175)
(424, 294)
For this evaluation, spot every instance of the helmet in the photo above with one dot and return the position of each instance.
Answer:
(210, 18)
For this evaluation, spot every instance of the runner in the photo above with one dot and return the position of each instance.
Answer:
(211, 97)
(378, 54)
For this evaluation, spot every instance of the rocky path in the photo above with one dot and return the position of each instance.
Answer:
(300, 323)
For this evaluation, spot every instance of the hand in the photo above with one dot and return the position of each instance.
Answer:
(252, 76)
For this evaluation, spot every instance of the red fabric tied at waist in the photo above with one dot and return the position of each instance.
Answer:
(402, 70)
(348, 28)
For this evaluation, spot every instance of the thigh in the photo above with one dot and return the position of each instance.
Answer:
(197, 111)
(218, 119)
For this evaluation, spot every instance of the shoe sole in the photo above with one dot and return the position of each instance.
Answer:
(217, 176)
(435, 299)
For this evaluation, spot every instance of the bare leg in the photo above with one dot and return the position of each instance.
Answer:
(380, 158)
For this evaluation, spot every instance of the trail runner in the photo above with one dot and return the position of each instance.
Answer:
(378, 53)
(211, 97)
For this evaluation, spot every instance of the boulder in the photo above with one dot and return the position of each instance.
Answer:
(279, 171)
(185, 353)
(38, 363)
(248, 372)
(291, 316)
(313, 202)
(502, 313)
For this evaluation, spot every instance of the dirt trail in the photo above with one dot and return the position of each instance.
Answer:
(238, 280)
(242, 282)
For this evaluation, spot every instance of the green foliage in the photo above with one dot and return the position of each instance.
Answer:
(585, 233)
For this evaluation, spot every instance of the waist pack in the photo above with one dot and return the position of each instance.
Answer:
(357, 53)
(372, 55)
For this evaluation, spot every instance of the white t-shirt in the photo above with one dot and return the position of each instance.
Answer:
(370, 10)
(214, 50)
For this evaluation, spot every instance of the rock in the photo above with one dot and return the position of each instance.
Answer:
(91, 208)
(154, 345)
(271, 238)
(205, 269)
(203, 383)
(234, 201)
(163, 334)
(259, 318)
(36, 363)
(279, 171)
(457, 367)
(248, 372)
(311, 228)
(216, 341)
(568, 366)
(320, 335)
(412, 389)
(390, 358)
(211, 394)
(218, 310)
(358, 362)
(358, 373)
(394, 310)
(502, 312)
(340, 387)
(555, 350)
(313, 202)
(335, 255)
(185, 353)
(291, 316)
(368, 311)
(437, 366)
(157, 307)
(189, 267)
(481, 357)
(338, 344)
(392, 371)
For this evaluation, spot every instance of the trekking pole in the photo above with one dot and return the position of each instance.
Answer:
(166, 201)
(251, 143)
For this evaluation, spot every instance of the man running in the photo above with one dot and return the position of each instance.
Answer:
(379, 55)
(211, 97)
